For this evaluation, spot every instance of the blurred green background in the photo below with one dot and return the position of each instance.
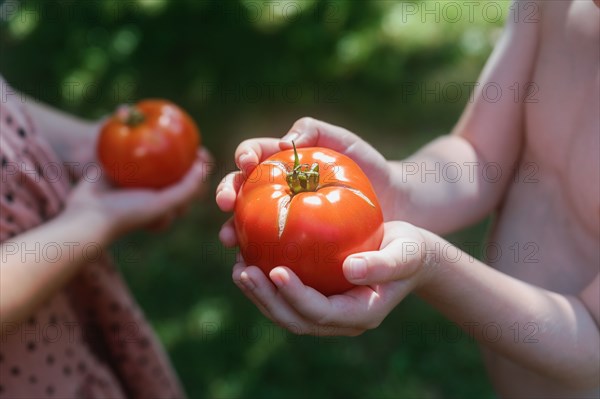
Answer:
(393, 72)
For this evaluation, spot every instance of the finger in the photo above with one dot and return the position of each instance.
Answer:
(285, 316)
(346, 314)
(236, 276)
(205, 155)
(267, 295)
(183, 191)
(95, 185)
(251, 152)
(396, 260)
(227, 234)
(306, 300)
(308, 132)
(227, 191)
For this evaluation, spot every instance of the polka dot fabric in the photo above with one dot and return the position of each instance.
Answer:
(91, 339)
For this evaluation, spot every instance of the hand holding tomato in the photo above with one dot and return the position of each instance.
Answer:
(281, 295)
(383, 279)
(124, 210)
(149, 145)
(308, 209)
(309, 132)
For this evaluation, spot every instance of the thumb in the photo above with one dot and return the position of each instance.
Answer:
(184, 190)
(398, 260)
(308, 132)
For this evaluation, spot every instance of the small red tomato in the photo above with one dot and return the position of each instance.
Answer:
(148, 145)
(308, 210)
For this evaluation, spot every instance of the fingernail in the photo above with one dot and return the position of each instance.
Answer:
(244, 157)
(247, 282)
(358, 268)
(292, 136)
(278, 280)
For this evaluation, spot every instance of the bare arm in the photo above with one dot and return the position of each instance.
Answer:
(488, 138)
(553, 334)
(72, 138)
(36, 264)
(39, 262)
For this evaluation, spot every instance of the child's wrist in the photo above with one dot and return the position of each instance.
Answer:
(400, 189)
(431, 260)
(87, 219)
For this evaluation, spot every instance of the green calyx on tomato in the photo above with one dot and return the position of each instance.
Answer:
(303, 177)
(130, 115)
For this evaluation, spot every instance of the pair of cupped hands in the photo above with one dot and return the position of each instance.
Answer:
(383, 277)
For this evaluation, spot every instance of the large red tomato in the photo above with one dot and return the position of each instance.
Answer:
(149, 145)
(308, 212)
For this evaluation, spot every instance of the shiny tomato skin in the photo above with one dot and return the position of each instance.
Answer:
(154, 153)
(322, 227)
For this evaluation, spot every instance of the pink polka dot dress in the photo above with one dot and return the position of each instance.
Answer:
(89, 340)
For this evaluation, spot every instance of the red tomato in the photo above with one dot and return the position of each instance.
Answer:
(149, 145)
(309, 213)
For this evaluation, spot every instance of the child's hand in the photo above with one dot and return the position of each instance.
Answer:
(384, 277)
(125, 210)
(307, 132)
(285, 299)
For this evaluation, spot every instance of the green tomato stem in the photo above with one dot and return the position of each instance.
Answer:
(303, 177)
(130, 115)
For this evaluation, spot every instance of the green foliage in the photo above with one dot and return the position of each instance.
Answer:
(245, 69)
